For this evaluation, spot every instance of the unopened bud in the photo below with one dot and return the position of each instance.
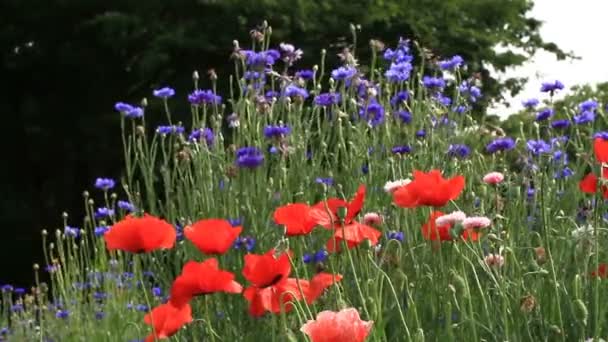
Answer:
(144, 102)
(195, 75)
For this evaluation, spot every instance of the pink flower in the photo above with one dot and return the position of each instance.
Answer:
(451, 218)
(341, 326)
(493, 178)
(476, 222)
(372, 219)
(392, 186)
(494, 260)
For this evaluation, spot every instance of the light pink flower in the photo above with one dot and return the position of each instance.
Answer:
(392, 186)
(451, 218)
(341, 326)
(494, 260)
(372, 219)
(493, 178)
(476, 222)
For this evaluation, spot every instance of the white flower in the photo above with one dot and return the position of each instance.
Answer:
(583, 232)
(392, 186)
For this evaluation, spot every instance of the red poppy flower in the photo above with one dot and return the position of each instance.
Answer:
(589, 183)
(212, 236)
(341, 326)
(325, 213)
(600, 147)
(354, 234)
(296, 218)
(140, 234)
(200, 279)
(428, 189)
(167, 319)
(431, 231)
(601, 272)
(271, 288)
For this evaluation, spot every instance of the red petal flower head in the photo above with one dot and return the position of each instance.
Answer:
(354, 234)
(212, 236)
(330, 220)
(140, 235)
(266, 270)
(167, 319)
(428, 189)
(296, 218)
(601, 272)
(200, 279)
(319, 283)
(341, 326)
(588, 184)
(600, 147)
(430, 230)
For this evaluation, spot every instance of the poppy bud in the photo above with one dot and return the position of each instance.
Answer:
(528, 304)
(541, 256)
(195, 75)
(581, 311)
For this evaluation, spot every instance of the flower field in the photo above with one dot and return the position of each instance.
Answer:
(365, 201)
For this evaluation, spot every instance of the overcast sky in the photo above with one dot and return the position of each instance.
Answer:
(577, 26)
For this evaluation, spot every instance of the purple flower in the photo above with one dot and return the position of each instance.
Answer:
(500, 144)
(104, 184)
(433, 83)
(398, 72)
(394, 235)
(404, 116)
(560, 124)
(123, 107)
(537, 147)
(249, 157)
(305, 74)
(471, 91)
(101, 230)
(327, 181)
(442, 99)
(254, 75)
(71, 231)
(602, 135)
(588, 106)
(261, 59)
(126, 206)
(235, 222)
(327, 99)
(584, 117)
(246, 242)
(103, 212)
(460, 109)
(399, 98)
(200, 97)
(551, 87)
(343, 73)
(373, 113)
(458, 151)
(421, 133)
(289, 53)
(276, 131)
(165, 92)
(401, 149)
(201, 134)
(129, 111)
(544, 114)
(62, 314)
(166, 130)
(530, 103)
(451, 64)
(294, 91)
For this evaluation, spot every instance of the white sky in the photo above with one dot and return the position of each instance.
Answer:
(574, 25)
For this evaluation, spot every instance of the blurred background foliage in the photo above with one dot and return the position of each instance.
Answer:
(64, 63)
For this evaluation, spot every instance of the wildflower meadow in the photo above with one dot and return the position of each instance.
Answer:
(362, 201)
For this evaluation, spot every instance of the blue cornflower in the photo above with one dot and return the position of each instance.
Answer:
(588, 106)
(343, 73)
(364, 169)
(327, 99)
(401, 149)
(126, 206)
(103, 212)
(179, 233)
(305, 74)
(500, 144)
(472, 91)
(122, 107)
(254, 75)
(394, 235)
(7, 288)
(460, 109)
(293, 90)
(399, 72)
(451, 64)
(16, 308)
(551, 87)
(559, 141)
(603, 135)
(560, 156)
(271, 94)
(62, 314)
(276, 131)
(421, 133)
(99, 315)
(327, 181)
(249, 157)
(157, 292)
(443, 99)
(165, 92)
(105, 183)
(530, 103)
(544, 114)
(433, 83)
(128, 110)
(71, 231)
(99, 296)
(273, 150)
(458, 151)
(201, 134)
(584, 117)
(20, 291)
(199, 97)
(399, 98)
(142, 308)
(246, 242)
(50, 268)
(560, 124)
(537, 147)
(404, 116)
(235, 222)
(166, 130)
(315, 258)
(261, 59)
(373, 113)
(563, 173)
